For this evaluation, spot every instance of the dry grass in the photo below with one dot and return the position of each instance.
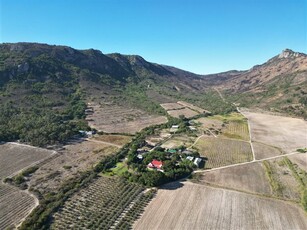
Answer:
(182, 108)
(171, 106)
(188, 113)
(177, 141)
(236, 130)
(200, 207)
(249, 177)
(283, 132)
(222, 152)
(263, 151)
(191, 106)
(282, 181)
(300, 159)
(114, 139)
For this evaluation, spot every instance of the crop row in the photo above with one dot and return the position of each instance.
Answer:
(14, 206)
(222, 152)
(236, 130)
(102, 205)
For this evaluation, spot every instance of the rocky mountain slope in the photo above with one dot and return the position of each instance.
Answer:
(280, 84)
(48, 84)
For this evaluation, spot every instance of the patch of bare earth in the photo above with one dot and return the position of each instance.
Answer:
(264, 151)
(182, 108)
(170, 106)
(194, 206)
(118, 119)
(113, 139)
(177, 141)
(249, 177)
(283, 132)
(182, 112)
(300, 159)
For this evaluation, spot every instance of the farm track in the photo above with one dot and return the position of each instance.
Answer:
(250, 133)
(244, 163)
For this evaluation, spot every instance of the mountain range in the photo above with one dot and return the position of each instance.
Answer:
(47, 74)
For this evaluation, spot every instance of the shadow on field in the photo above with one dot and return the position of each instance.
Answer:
(172, 186)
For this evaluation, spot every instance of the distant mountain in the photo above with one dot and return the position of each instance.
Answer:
(64, 68)
(280, 84)
(32, 73)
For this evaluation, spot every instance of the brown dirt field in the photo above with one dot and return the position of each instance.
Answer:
(191, 106)
(300, 159)
(206, 123)
(119, 119)
(188, 113)
(15, 205)
(249, 177)
(15, 157)
(73, 159)
(114, 139)
(284, 132)
(263, 151)
(222, 152)
(195, 206)
(171, 106)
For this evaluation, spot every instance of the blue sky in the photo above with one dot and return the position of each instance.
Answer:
(202, 36)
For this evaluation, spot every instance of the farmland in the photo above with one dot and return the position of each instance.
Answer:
(75, 157)
(193, 206)
(232, 126)
(178, 140)
(239, 178)
(286, 133)
(182, 112)
(15, 204)
(221, 152)
(182, 108)
(283, 183)
(106, 203)
(114, 139)
(15, 157)
(262, 150)
(111, 118)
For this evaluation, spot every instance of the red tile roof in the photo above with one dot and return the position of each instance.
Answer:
(155, 164)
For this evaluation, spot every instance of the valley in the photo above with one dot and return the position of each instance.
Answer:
(111, 141)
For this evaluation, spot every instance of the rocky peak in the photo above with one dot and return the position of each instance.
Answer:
(287, 53)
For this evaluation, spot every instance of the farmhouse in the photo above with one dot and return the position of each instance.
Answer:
(174, 128)
(155, 164)
(198, 162)
(190, 158)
